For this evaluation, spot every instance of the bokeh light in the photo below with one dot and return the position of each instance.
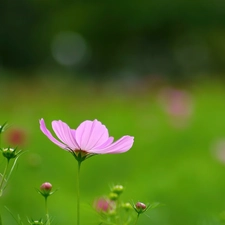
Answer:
(69, 49)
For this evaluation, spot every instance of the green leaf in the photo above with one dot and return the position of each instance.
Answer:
(2, 127)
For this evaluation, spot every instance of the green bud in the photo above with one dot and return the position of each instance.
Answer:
(118, 189)
(113, 196)
(9, 153)
(112, 213)
(127, 206)
(36, 222)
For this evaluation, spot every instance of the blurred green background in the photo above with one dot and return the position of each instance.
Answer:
(150, 69)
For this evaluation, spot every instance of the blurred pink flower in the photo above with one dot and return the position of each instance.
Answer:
(91, 137)
(218, 150)
(104, 205)
(16, 137)
(177, 104)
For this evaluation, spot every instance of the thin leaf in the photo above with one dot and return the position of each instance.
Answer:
(18, 219)
(2, 127)
(12, 168)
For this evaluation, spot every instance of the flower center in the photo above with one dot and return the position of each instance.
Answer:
(80, 153)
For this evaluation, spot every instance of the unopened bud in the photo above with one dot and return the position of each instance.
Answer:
(112, 213)
(37, 223)
(9, 153)
(113, 196)
(45, 189)
(118, 189)
(140, 207)
(127, 206)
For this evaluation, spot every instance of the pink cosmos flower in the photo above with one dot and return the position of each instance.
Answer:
(90, 138)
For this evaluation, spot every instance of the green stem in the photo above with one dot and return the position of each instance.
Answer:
(0, 140)
(46, 211)
(118, 217)
(78, 193)
(3, 178)
(136, 219)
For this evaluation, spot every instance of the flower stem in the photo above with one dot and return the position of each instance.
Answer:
(0, 140)
(78, 193)
(46, 211)
(136, 219)
(3, 178)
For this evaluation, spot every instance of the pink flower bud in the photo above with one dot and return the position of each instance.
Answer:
(140, 207)
(46, 189)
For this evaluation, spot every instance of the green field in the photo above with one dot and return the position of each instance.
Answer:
(173, 165)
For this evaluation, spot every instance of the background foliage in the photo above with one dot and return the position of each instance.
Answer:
(139, 38)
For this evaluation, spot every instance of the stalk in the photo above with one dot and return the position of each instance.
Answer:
(136, 219)
(78, 193)
(46, 211)
(3, 178)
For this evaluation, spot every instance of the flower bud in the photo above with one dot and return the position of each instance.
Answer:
(112, 213)
(36, 222)
(127, 206)
(45, 189)
(140, 207)
(118, 189)
(9, 153)
(113, 196)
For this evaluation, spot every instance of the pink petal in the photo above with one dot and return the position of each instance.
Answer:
(49, 135)
(120, 146)
(90, 134)
(106, 144)
(65, 134)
